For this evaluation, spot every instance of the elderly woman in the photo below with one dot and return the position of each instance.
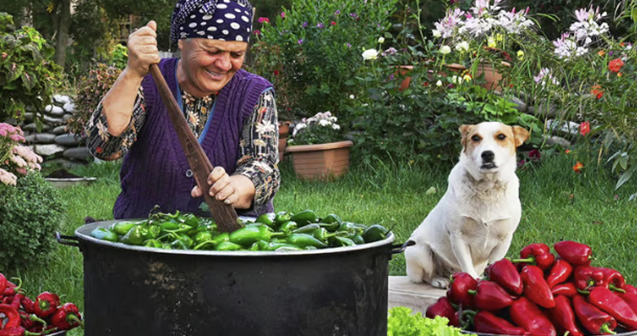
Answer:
(231, 111)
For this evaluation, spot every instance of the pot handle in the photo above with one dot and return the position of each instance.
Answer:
(395, 249)
(67, 240)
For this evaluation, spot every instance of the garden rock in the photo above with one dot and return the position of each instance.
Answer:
(53, 110)
(66, 117)
(543, 111)
(53, 121)
(61, 99)
(44, 138)
(519, 104)
(556, 140)
(59, 130)
(29, 138)
(29, 116)
(32, 128)
(69, 107)
(68, 140)
(81, 153)
(564, 127)
(47, 150)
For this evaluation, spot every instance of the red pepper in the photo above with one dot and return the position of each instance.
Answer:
(490, 296)
(504, 273)
(67, 317)
(17, 301)
(28, 305)
(459, 321)
(576, 254)
(11, 314)
(8, 299)
(560, 272)
(12, 288)
(630, 289)
(566, 289)
(563, 316)
(458, 293)
(604, 299)
(587, 276)
(3, 283)
(535, 287)
(486, 322)
(593, 319)
(442, 308)
(631, 299)
(46, 304)
(31, 321)
(538, 254)
(17, 331)
(527, 315)
(613, 279)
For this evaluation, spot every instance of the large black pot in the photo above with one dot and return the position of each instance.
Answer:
(131, 290)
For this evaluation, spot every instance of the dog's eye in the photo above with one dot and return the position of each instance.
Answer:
(501, 137)
(476, 138)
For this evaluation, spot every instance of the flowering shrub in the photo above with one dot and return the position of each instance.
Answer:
(15, 159)
(319, 129)
(313, 51)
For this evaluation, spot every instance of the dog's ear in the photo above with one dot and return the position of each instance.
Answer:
(520, 134)
(464, 132)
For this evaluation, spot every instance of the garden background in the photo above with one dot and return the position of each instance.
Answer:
(399, 76)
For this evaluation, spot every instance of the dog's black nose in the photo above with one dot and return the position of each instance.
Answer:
(487, 156)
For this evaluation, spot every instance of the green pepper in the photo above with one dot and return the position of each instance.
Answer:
(303, 240)
(183, 242)
(307, 229)
(123, 228)
(191, 220)
(331, 218)
(254, 247)
(375, 233)
(310, 248)
(135, 236)
(323, 235)
(281, 218)
(331, 227)
(249, 235)
(343, 241)
(105, 234)
(202, 236)
(267, 219)
(304, 217)
(228, 246)
(153, 243)
(288, 248)
(358, 240)
(220, 238)
(272, 246)
(352, 227)
(288, 227)
(152, 232)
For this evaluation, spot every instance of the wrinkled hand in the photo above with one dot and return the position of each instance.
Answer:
(236, 190)
(142, 50)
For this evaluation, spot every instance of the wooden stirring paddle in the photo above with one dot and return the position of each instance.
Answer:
(224, 215)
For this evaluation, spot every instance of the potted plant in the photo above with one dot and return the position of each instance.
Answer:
(317, 148)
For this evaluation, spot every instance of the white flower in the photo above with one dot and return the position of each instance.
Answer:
(370, 54)
(265, 127)
(462, 46)
(7, 177)
(324, 122)
(445, 50)
(298, 127)
(336, 127)
(381, 39)
(439, 83)
(436, 33)
(351, 97)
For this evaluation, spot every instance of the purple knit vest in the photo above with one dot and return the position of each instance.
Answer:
(155, 170)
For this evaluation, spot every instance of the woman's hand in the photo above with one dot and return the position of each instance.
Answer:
(142, 50)
(236, 190)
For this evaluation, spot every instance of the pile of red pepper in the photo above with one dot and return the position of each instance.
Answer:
(22, 316)
(540, 294)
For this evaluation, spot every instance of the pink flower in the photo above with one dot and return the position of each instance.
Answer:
(22, 171)
(7, 178)
(283, 15)
(17, 137)
(263, 19)
(18, 161)
(256, 32)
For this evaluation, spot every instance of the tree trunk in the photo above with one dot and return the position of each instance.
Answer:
(63, 32)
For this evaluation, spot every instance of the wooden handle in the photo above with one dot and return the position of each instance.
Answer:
(224, 215)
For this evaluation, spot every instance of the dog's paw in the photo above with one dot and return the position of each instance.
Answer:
(442, 283)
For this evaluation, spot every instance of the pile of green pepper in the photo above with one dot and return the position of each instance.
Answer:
(284, 231)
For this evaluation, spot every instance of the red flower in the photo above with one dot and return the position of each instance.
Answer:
(99, 150)
(256, 32)
(578, 167)
(535, 155)
(276, 72)
(333, 23)
(584, 128)
(615, 65)
(597, 90)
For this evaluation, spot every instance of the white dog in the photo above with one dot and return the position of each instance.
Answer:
(474, 222)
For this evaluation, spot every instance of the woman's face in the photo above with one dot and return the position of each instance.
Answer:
(208, 65)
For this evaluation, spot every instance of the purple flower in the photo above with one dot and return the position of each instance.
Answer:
(300, 41)
(349, 45)
(304, 24)
(391, 77)
(337, 12)
(320, 25)
(354, 15)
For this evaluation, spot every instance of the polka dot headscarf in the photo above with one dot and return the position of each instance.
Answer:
(224, 20)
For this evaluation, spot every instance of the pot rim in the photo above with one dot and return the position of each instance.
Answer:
(319, 147)
(83, 233)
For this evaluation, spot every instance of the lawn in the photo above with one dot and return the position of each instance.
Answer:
(557, 204)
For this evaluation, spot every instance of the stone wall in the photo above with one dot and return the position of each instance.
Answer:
(54, 143)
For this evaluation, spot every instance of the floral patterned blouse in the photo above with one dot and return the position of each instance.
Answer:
(258, 142)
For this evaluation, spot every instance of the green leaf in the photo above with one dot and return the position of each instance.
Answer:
(29, 80)
(624, 178)
(14, 70)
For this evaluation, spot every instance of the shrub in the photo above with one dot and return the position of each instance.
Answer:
(319, 129)
(30, 214)
(314, 48)
(27, 74)
(91, 89)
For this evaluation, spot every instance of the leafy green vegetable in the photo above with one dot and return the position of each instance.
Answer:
(401, 322)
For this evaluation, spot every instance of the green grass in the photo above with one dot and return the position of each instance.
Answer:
(396, 196)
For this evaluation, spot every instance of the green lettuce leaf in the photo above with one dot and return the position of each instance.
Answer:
(402, 322)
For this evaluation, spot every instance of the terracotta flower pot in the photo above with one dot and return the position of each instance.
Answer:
(404, 70)
(322, 162)
(284, 132)
(491, 75)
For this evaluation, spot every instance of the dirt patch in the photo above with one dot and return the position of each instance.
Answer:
(62, 173)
